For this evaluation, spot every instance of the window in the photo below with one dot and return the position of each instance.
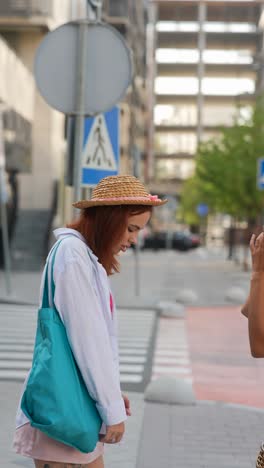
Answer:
(210, 86)
(174, 168)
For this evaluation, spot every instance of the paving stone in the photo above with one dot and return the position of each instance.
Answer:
(216, 443)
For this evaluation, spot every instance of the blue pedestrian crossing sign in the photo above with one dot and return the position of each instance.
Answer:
(202, 209)
(260, 174)
(100, 157)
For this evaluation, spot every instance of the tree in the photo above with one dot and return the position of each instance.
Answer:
(226, 167)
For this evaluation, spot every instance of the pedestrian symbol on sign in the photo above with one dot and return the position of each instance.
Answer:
(98, 152)
(100, 156)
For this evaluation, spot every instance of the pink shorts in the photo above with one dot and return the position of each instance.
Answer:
(31, 442)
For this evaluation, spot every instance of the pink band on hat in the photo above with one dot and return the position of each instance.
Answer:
(150, 197)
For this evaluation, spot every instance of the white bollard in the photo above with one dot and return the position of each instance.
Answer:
(170, 390)
(187, 296)
(236, 294)
(171, 309)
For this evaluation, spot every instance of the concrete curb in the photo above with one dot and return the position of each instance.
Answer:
(137, 307)
(230, 405)
(5, 300)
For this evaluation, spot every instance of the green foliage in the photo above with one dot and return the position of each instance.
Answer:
(190, 198)
(226, 168)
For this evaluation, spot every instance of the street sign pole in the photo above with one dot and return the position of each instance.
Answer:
(93, 13)
(94, 9)
(5, 241)
(3, 213)
(136, 158)
(79, 123)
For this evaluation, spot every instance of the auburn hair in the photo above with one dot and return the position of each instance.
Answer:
(102, 227)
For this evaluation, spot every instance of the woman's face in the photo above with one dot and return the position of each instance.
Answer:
(134, 224)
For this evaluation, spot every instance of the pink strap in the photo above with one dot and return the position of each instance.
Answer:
(111, 303)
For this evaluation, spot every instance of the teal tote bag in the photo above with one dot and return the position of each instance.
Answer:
(56, 400)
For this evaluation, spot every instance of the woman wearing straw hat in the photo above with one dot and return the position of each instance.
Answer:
(109, 223)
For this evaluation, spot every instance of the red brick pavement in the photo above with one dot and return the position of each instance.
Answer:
(222, 366)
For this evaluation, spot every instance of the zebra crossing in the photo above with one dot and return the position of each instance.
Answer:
(171, 356)
(17, 333)
(136, 337)
(137, 330)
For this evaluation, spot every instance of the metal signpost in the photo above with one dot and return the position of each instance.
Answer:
(136, 170)
(3, 212)
(202, 210)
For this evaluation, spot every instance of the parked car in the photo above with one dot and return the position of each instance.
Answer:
(196, 241)
(178, 240)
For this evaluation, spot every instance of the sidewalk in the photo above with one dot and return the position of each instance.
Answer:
(222, 366)
(119, 456)
(225, 427)
(208, 434)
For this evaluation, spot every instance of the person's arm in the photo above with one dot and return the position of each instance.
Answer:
(256, 315)
(80, 310)
(256, 297)
(245, 307)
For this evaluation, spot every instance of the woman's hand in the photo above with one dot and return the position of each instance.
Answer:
(113, 434)
(257, 252)
(127, 405)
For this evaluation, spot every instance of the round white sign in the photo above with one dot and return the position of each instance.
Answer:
(107, 72)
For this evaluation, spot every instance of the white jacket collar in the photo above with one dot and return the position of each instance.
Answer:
(60, 233)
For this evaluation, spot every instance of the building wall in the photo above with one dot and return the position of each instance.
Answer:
(22, 35)
(47, 138)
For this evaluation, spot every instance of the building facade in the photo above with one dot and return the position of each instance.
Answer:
(35, 138)
(130, 17)
(208, 63)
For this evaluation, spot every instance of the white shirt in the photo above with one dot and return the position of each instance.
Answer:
(82, 298)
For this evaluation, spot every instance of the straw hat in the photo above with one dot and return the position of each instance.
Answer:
(120, 190)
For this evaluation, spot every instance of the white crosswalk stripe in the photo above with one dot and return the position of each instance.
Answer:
(17, 333)
(135, 335)
(171, 357)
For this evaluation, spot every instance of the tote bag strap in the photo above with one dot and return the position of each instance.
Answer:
(45, 296)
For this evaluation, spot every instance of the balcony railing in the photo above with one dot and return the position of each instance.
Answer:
(25, 8)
